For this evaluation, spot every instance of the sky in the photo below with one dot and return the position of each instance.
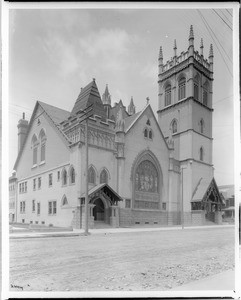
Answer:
(53, 53)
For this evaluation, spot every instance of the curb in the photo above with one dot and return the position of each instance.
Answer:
(111, 231)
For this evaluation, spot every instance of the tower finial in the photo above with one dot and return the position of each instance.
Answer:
(201, 47)
(211, 51)
(160, 53)
(175, 48)
(131, 107)
(191, 34)
(175, 44)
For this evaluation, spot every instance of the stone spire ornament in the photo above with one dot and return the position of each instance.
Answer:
(160, 54)
(191, 33)
(131, 107)
(211, 51)
(201, 47)
(106, 97)
(175, 48)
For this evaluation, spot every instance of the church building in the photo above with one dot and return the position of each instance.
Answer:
(142, 170)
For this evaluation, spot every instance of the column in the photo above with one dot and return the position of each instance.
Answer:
(114, 216)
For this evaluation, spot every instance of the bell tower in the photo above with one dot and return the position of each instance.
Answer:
(185, 110)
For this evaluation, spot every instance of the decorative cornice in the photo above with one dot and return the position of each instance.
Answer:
(181, 102)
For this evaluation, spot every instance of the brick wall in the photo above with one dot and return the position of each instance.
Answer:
(125, 217)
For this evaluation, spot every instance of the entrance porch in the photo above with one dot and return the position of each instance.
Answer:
(103, 207)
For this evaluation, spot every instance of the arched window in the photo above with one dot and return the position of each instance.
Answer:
(168, 95)
(42, 137)
(174, 126)
(182, 88)
(91, 175)
(64, 177)
(205, 93)
(201, 154)
(72, 175)
(201, 126)
(103, 176)
(35, 149)
(145, 132)
(196, 87)
(64, 201)
(150, 134)
(146, 177)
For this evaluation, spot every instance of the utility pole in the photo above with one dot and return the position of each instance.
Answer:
(86, 115)
(182, 210)
(86, 177)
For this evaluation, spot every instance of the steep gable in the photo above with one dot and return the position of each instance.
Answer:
(54, 116)
(89, 95)
(132, 121)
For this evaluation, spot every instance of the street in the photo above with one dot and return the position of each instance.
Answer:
(150, 261)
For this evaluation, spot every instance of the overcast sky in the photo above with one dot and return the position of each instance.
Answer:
(53, 53)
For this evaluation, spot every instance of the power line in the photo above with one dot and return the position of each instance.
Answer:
(222, 99)
(222, 19)
(207, 27)
(229, 12)
(222, 12)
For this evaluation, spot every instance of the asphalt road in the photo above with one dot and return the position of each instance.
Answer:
(148, 261)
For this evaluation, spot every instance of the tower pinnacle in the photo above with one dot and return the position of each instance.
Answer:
(106, 98)
(175, 48)
(211, 51)
(191, 34)
(201, 47)
(131, 107)
(160, 54)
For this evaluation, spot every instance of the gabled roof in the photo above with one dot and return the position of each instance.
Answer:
(130, 121)
(103, 187)
(203, 191)
(55, 116)
(89, 95)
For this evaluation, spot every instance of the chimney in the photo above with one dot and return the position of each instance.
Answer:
(22, 131)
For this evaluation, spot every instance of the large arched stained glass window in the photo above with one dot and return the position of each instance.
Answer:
(146, 177)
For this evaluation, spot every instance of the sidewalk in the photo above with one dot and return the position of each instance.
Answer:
(221, 281)
(78, 232)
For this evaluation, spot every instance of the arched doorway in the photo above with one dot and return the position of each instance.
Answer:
(99, 210)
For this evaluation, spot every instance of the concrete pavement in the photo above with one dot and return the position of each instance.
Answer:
(109, 230)
(222, 281)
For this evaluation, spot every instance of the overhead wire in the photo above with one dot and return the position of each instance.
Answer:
(229, 12)
(222, 12)
(210, 30)
(222, 19)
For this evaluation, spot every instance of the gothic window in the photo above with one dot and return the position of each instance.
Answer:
(103, 176)
(42, 138)
(64, 201)
(150, 134)
(64, 177)
(72, 175)
(201, 154)
(196, 87)
(182, 88)
(146, 179)
(146, 133)
(35, 149)
(91, 175)
(205, 93)
(174, 126)
(168, 95)
(201, 126)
